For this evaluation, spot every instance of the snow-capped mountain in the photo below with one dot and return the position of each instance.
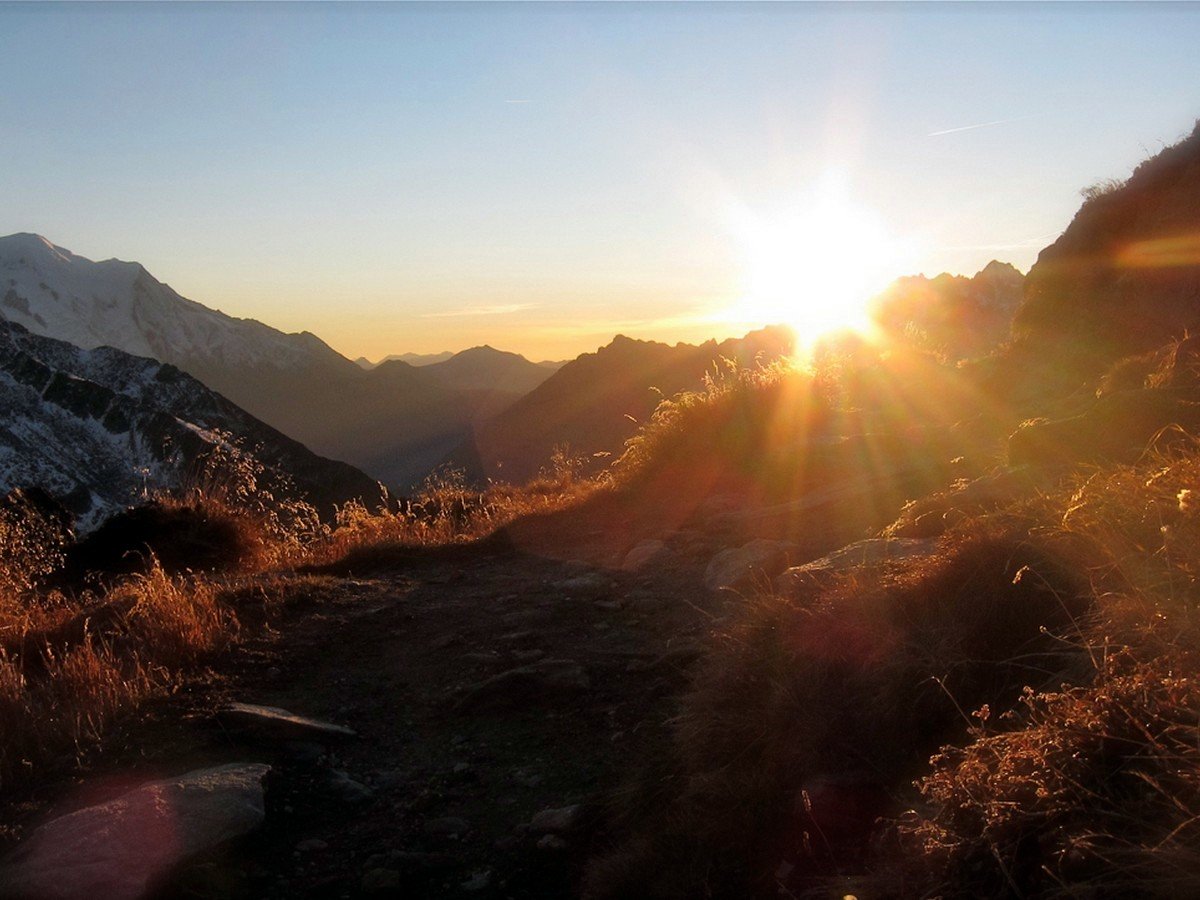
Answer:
(390, 421)
(98, 427)
(55, 293)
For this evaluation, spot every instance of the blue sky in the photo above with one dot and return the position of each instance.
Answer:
(539, 177)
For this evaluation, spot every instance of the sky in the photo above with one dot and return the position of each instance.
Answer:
(539, 177)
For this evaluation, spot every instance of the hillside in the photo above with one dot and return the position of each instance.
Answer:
(99, 428)
(594, 403)
(1124, 277)
(485, 368)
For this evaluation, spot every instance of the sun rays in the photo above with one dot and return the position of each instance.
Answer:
(815, 263)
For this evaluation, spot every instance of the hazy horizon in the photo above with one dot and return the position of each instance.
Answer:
(417, 178)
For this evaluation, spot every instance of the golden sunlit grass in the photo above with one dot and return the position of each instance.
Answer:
(1050, 640)
(71, 661)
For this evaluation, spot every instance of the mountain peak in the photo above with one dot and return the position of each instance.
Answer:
(32, 246)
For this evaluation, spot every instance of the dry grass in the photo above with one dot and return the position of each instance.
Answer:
(808, 711)
(1069, 760)
(447, 511)
(68, 666)
(1091, 788)
(88, 631)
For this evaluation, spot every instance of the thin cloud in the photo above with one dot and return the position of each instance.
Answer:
(977, 125)
(517, 101)
(480, 311)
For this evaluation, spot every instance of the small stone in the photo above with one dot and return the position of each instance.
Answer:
(312, 845)
(346, 789)
(379, 881)
(526, 778)
(447, 826)
(735, 566)
(390, 780)
(552, 843)
(590, 584)
(542, 683)
(641, 554)
(478, 882)
(555, 821)
(418, 862)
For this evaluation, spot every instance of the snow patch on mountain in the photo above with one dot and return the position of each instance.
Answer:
(100, 428)
(53, 292)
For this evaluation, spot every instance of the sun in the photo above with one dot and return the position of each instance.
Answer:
(815, 265)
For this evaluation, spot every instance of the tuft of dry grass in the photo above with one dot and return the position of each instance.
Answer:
(447, 510)
(68, 666)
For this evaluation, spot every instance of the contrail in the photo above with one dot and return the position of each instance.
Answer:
(972, 127)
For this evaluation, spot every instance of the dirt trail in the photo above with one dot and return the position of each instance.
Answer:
(487, 683)
(450, 761)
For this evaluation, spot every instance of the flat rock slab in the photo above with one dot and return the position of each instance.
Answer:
(273, 723)
(121, 849)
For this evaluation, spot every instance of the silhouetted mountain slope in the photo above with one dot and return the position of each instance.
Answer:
(97, 427)
(953, 315)
(594, 403)
(1125, 275)
(485, 368)
(389, 420)
(413, 359)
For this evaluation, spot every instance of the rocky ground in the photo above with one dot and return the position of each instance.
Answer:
(498, 694)
(486, 686)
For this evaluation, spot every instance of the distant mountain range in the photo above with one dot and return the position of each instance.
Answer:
(413, 359)
(427, 359)
(98, 427)
(395, 421)
(596, 402)
(956, 316)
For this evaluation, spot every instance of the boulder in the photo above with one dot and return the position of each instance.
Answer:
(555, 821)
(641, 554)
(122, 849)
(736, 566)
